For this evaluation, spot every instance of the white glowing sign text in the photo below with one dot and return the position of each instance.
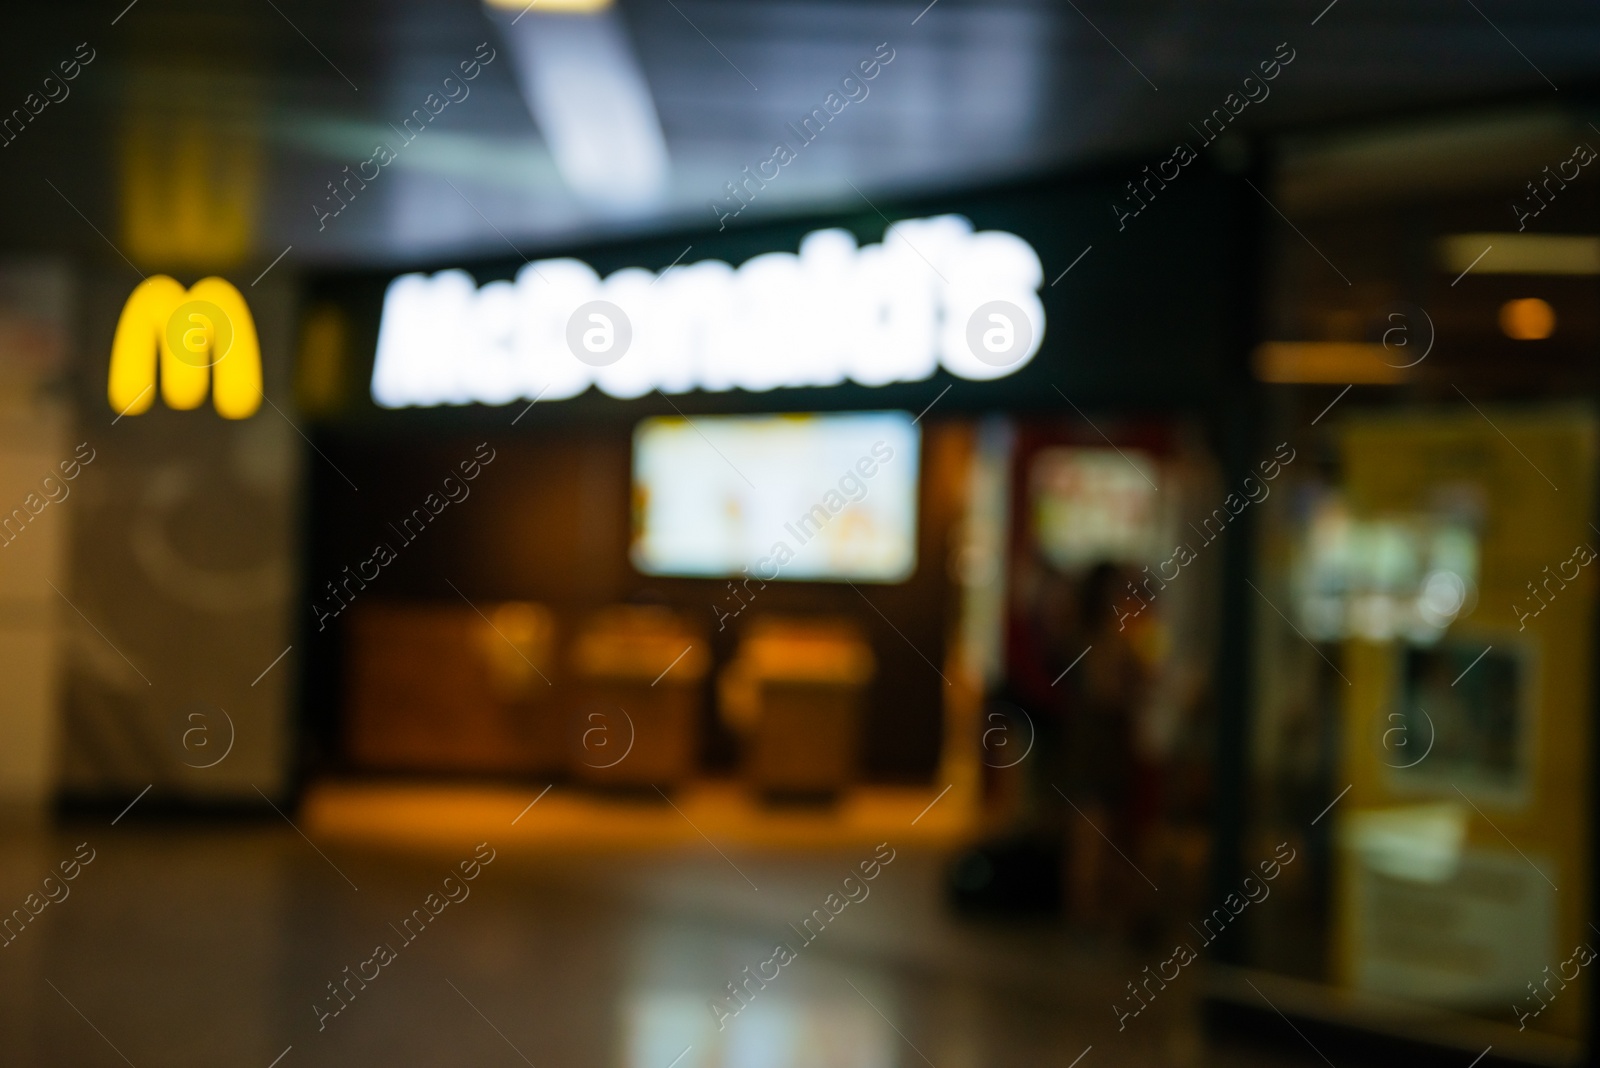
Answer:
(933, 294)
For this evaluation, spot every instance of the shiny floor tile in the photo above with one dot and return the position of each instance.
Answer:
(248, 945)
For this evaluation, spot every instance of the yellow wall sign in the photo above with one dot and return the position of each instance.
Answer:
(203, 337)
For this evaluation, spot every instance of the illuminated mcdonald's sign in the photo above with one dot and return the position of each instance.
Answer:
(934, 294)
(203, 338)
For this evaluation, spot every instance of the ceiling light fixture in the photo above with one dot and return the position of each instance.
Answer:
(1514, 253)
(1528, 319)
(583, 83)
(551, 7)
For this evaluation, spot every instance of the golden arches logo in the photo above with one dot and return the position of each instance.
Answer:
(203, 338)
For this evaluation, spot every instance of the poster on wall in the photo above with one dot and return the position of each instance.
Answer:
(1091, 505)
(1465, 708)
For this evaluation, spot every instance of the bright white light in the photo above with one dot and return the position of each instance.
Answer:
(588, 94)
(892, 312)
(1443, 594)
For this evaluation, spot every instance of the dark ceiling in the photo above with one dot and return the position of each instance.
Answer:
(204, 133)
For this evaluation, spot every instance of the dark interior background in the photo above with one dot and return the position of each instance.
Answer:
(548, 521)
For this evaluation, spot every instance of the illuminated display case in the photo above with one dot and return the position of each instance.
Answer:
(1420, 690)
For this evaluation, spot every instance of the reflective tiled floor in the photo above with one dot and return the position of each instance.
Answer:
(216, 945)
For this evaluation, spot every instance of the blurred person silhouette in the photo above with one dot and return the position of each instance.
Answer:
(1018, 871)
(1098, 762)
(1077, 728)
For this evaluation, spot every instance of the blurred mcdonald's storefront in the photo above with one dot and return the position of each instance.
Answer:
(1276, 541)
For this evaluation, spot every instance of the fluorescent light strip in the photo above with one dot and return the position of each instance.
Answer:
(1516, 253)
(588, 94)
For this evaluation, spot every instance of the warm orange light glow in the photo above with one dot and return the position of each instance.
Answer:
(1340, 362)
(1529, 319)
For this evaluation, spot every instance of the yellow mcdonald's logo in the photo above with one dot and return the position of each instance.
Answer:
(204, 338)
